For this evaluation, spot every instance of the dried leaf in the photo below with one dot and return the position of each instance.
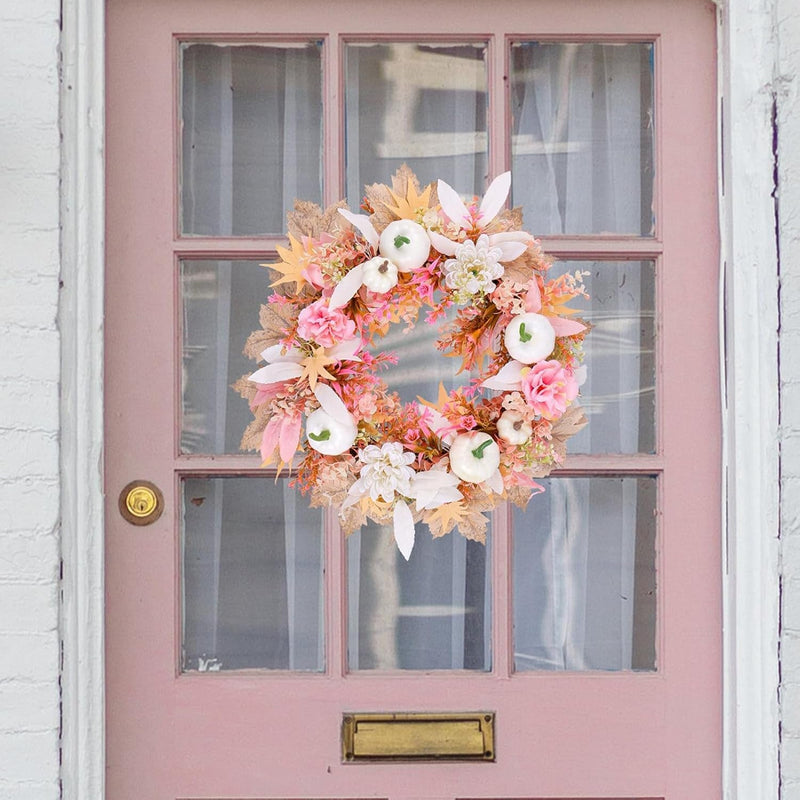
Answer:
(567, 425)
(308, 219)
(473, 527)
(351, 519)
(251, 439)
(277, 320)
(519, 495)
(443, 519)
(259, 341)
(330, 489)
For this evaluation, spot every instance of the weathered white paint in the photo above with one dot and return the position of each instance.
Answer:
(747, 77)
(28, 400)
(786, 91)
(29, 410)
(81, 318)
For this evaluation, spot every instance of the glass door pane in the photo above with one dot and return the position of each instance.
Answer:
(251, 119)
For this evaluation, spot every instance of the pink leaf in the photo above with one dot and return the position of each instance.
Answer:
(452, 204)
(533, 298)
(494, 199)
(509, 377)
(290, 437)
(269, 439)
(566, 327)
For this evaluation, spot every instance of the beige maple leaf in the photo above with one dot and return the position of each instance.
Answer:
(308, 219)
(519, 495)
(473, 527)
(444, 518)
(277, 320)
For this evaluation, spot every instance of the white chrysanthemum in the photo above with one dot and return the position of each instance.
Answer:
(385, 471)
(474, 269)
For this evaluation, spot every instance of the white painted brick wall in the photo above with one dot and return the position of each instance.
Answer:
(789, 209)
(29, 412)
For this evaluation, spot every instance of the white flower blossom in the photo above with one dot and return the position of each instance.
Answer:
(385, 471)
(474, 269)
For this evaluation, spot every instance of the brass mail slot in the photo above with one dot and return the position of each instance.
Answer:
(420, 737)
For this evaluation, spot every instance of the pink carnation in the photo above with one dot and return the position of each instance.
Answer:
(324, 326)
(549, 388)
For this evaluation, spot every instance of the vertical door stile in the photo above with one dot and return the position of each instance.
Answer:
(499, 109)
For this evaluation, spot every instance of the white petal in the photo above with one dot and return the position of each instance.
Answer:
(345, 351)
(403, 529)
(494, 482)
(274, 354)
(494, 199)
(511, 250)
(509, 377)
(347, 287)
(511, 236)
(332, 404)
(442, 244)
(275, 373)
(363, 225)
(452, 204)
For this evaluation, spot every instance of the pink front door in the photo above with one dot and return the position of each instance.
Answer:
(241, 628)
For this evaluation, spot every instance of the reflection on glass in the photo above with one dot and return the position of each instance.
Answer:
(419, 104)
(583, 139)
(420, 366)
(585, 576)
(251, 135)
(619, 395)
(252, 576)
(220, 301)
(432, 612)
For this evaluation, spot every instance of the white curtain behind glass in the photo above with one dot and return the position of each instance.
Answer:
(582, 146)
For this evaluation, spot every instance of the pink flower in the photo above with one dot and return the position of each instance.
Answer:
(367, 405)
(324, 326)
(549, 388)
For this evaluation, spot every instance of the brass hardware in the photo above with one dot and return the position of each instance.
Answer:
(418, 737)
(141, 502)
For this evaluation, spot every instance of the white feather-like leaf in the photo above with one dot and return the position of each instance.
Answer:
(276, 373)
(403, 528)
(511, 250)
(442, 244)
(509, 377)
(345, 351)
(362, 224)
(494, 199)
(452, 204)
(275, 354)
(347, 287)
(332, 404)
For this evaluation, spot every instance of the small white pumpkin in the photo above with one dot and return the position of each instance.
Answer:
(406, 244)
(529, 338)
(380, 275)
(329, 436)
(513, 428)
(474, 457)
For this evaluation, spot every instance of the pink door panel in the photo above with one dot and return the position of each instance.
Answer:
(241, 628)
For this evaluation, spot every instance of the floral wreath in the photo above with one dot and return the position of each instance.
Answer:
(344, 279)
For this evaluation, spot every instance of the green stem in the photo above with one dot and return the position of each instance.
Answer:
(399, 241)
(524, 336)
(322, 437)
(478, 451)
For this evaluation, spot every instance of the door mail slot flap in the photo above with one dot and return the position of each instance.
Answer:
(418, 736)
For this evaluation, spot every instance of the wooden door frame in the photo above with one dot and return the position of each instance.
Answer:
(748, 345)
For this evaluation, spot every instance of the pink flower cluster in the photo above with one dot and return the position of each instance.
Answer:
(549, 388)
(325, 326)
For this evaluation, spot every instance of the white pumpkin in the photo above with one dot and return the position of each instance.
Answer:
(474, 457)
(380, 275)
(406, 244)
(329, 436)
(529, 338)
(513, 428)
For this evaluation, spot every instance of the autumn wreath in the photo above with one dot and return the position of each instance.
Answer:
(343, 280)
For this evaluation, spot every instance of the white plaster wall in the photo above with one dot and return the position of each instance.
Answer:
(789, 218)
(29, 400)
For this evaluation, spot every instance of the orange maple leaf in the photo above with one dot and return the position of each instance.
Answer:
(293, 262)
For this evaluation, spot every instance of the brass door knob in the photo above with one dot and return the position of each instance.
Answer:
(141, 502)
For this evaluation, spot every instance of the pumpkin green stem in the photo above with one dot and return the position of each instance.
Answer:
(322, 437)
(478, 451)
(399, 241)
(524, 336)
